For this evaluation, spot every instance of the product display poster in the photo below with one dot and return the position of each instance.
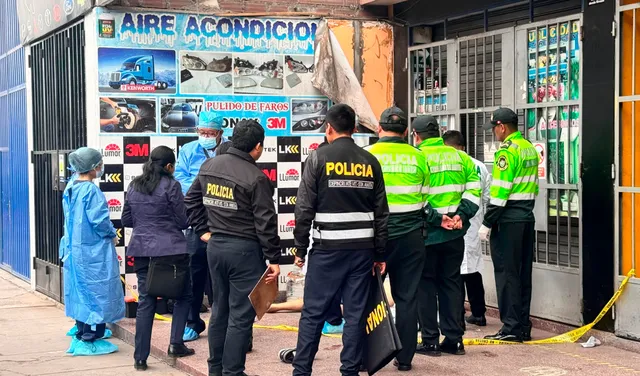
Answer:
(554, 76)
(157, 72)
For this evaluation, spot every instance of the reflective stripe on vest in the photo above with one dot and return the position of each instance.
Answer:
(344, 217)
(365, 233)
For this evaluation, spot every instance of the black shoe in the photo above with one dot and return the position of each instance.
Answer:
(429, 350)
(362, 368)
(140, 365)
(179, 351)
(402, 367)
(504, 337)
(453, 348)
(526, 337)
(478, 321)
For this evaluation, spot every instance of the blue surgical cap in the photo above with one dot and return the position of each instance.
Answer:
(210, 120)
(85, 159)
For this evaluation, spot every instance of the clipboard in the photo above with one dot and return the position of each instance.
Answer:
(263, 295)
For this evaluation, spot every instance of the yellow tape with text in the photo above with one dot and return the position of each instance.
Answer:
(568, 337)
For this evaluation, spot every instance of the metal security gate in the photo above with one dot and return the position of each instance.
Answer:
(627, 165)
(59, 127)
(534, 69)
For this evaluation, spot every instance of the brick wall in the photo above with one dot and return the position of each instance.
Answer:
(335, 8)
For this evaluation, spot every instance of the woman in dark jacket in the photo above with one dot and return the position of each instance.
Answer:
(155, 209)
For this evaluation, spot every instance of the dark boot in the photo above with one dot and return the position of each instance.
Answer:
(179, 351)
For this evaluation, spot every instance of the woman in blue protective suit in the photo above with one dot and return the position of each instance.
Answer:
(93, 293)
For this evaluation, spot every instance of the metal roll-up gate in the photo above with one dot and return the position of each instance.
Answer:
(59, 127)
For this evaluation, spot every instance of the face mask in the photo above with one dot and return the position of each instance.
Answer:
(99, 174)
(207, 142)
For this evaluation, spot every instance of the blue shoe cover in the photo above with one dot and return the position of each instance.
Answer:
(107, 334)
(333, 329)
(190, 335)
(73, 331)
(98, 347)
(72, 347)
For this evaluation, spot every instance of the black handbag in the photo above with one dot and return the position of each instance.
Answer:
(382, 340)
(168, 276)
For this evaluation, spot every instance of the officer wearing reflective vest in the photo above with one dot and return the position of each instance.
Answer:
(342, 194)
(454, 198)
(510, 222)
(406, 179)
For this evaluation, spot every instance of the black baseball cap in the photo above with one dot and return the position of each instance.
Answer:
(501, 116)
(425, 123)
(393, 115)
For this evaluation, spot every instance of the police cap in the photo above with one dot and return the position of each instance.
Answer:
(425, 123)
(393, 115)
(502, 116)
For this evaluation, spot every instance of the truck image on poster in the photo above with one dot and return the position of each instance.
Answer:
(137, 71)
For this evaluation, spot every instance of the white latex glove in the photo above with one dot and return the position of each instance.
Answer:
(484, 233)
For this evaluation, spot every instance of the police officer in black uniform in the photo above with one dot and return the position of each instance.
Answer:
(230, 206)
(342, 194)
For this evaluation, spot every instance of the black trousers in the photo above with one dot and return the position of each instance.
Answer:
(512, 254)
(475, 293)
(405, 262)
(199, 275)
(86, 334)
(236, 265)
(328, 273)
(334, 315)
(147, 309)
(440, 289)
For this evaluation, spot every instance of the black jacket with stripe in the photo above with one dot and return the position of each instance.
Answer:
(342, 196)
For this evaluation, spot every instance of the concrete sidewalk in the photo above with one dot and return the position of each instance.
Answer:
(534, 360)
(33, 339)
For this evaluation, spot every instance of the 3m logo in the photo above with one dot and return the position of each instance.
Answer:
(271, 173)
(288, 227)
(115, 206)
(291, 200)
(111, 150)
(113, 178)
(290, 175)
(277, 123)
(289, 149)
(137, 150)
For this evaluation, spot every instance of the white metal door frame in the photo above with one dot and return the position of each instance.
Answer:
(627, 322)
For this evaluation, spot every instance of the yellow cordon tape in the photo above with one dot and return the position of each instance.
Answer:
(568, 337)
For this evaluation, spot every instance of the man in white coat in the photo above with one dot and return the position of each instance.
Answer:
(472, 262)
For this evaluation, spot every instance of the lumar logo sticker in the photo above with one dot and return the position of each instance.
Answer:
(115, 206)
